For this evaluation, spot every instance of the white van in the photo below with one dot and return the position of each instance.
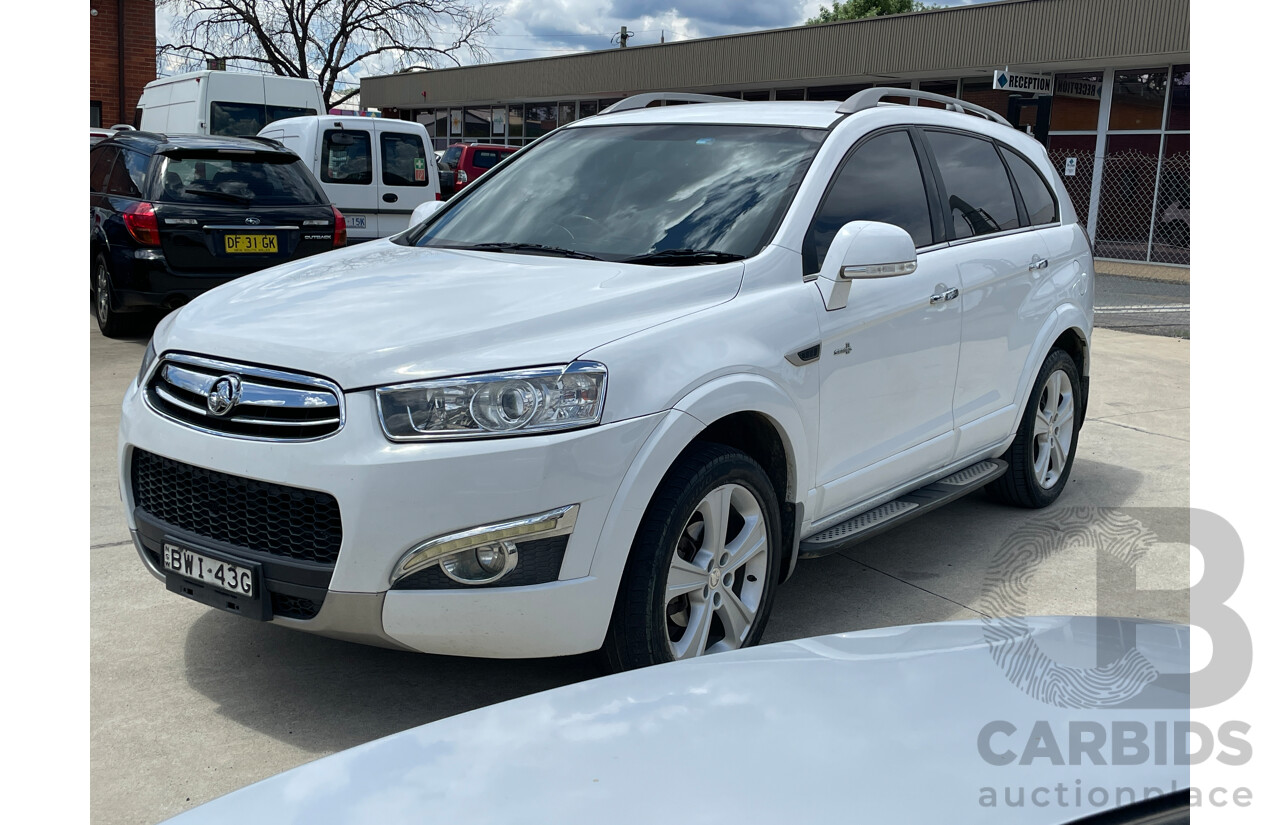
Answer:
(224, 103)
(375, 170)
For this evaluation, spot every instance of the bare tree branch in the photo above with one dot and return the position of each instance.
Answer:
(332, 41)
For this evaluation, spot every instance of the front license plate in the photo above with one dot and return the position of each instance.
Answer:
(355, 221)
(223, 575)
(252, 244)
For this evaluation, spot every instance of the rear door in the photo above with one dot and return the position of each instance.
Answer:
(347, 172)
(1002, 265)
(480, 160)
(407, 174)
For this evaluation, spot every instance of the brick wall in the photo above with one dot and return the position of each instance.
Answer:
(139, 56)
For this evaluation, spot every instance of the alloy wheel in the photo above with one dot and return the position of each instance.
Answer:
(716, 580)
(1054, 429)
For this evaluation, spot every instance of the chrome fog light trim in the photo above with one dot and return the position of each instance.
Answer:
(501, 535)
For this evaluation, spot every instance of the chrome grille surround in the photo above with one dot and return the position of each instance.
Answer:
(268, 404)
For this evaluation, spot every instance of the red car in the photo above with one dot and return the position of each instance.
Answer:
(464, 162)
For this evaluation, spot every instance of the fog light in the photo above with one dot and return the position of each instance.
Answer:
(481, 565)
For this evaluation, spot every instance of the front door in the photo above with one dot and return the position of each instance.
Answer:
(889, 357)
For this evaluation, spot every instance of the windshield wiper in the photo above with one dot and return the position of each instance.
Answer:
(217, 193)
(679, 257)
(527, 247)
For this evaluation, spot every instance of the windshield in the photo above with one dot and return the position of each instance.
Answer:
(621, 192)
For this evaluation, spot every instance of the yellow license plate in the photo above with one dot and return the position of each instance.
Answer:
(259, 244)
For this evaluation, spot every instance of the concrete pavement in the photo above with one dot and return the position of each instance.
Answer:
(189, 703)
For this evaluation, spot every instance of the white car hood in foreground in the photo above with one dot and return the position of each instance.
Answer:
(381, 313)
(880, 726)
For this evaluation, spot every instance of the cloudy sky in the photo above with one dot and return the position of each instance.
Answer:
(544, 28)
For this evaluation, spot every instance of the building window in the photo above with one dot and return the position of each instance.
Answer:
(1076, 101)
(1180, 100)
(95, 114)
(1137, 101)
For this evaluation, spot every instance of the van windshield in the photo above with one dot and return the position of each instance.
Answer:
(631, 191)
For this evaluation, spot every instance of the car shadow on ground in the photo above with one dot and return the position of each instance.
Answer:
(324, 695)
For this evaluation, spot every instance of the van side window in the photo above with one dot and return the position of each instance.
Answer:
(978, 196)
(881, 181)
(404, 160)
(1036, 195)
(235, 118)
(275, 113)
(346, 156)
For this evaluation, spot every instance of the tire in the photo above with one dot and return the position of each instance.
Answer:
(1038, 466)
(112, 323)
(726, 587)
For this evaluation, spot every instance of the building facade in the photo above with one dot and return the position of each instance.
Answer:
(122, 57)
(1116, 123)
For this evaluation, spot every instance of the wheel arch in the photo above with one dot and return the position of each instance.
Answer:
(1067, 329)
(745, 411)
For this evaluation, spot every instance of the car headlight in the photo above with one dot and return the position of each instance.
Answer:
(148, 358)
(523, 402)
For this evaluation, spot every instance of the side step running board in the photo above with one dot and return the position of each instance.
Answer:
(902, 509)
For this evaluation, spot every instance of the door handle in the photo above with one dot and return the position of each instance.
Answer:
(391, 197)
(948, 295)
(1038, 263)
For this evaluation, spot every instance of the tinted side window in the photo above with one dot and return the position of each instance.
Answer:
(346, 157)
(275, 113)
(121, 181)
(100, 159)
(881, 181)
(404, 160)
(978, 196)
(235, 118)
(485, 159)
(1036, 196)
(136, 163)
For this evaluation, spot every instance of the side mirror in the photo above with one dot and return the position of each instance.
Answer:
(864, 249)
(424, 210)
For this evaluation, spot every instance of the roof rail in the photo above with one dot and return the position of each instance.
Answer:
(643, 100)
(871, 98)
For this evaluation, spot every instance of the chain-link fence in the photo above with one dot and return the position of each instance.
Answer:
(1144, 204)
(1079, 184)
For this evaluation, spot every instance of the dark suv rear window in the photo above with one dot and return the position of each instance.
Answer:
(262, 180)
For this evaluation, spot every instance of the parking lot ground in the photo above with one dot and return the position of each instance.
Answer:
(1140, 305)
(189, 703)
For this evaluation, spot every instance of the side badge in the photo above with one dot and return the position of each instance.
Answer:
(845, 350)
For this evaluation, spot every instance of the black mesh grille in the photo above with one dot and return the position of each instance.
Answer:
(539, 562)
(256, 515)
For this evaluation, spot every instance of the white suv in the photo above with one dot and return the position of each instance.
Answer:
(607, 397)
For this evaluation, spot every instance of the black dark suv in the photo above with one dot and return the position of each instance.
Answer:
(172, 216)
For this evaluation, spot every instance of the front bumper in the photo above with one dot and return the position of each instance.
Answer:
(392, 497)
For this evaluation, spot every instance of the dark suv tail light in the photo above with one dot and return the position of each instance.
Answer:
(140, 220)
(339, 228)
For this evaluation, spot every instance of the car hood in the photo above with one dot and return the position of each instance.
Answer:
(382, 313)
(876, 726)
